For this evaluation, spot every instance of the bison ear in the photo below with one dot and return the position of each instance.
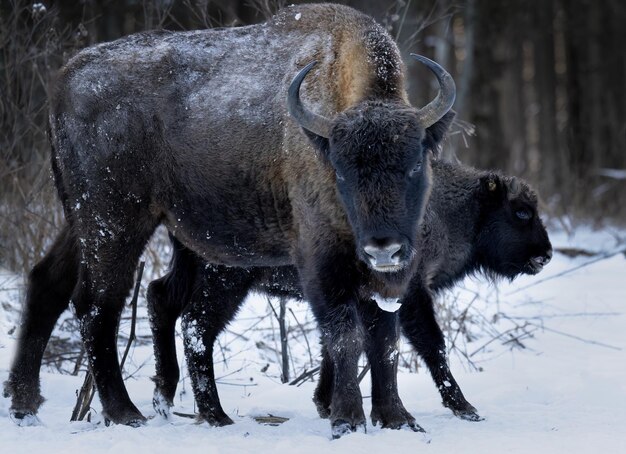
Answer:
(435, 133)
(492, 187)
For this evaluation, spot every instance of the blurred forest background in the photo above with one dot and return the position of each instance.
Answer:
(541, 92)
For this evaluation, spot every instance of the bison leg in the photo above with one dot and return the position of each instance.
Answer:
(330, 286)
(199, 338)
(342, 339)
(325, 385)
(50, 286)
(105, 279)
(381, 348)
(419, 325)
(213, 305)
(167, 297)
(163, 314)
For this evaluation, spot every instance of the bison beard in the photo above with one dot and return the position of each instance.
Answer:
(191, 130)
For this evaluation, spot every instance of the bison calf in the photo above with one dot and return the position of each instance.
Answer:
(475, 222)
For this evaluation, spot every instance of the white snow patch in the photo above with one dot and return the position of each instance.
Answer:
(38, 8)
(194, 338)
(298, 16)
(26, 421)
(160, 404)
(386, 304)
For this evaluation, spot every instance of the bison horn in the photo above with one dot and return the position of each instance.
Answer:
(438, 107)
(514, 188)
(310, 121)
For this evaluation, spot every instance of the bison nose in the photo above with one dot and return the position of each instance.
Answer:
(385, 257)
(543, 260)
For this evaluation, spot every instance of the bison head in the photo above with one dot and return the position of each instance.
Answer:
(512, 239)
(380, 151)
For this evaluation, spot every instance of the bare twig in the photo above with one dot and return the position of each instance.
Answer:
(133, 304)
(364, 372)
(500, 336)
(185, 415)
(306, 339)
(283, 340)
(270, 420)
(84, 398)
(572, 336)
(284, 354)
(304, 376)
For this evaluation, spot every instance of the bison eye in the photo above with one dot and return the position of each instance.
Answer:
(415, 169)
(524, 215)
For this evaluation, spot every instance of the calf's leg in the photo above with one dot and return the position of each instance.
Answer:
(213, 305)
(167, 297)
(50, 285)
(419, 325)
(322, 397)
(208, 297)
(163, 313)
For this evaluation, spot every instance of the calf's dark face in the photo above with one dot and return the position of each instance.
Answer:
(513, 239)
(381, 158)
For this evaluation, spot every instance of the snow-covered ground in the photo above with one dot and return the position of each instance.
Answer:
(564, 391)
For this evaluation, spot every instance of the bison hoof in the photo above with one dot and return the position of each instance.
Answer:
(322, 399)
(24, 419)
(323, 409)
(25, 398)
(216, 419)
(161, 404)
(464, 410)
(133, 422)
(468, 415)
(136, 422)
(394, 418)
(412, 426)
(131, 417)
(341, 427)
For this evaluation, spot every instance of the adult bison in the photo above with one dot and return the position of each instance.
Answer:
(192, 130)
(475, 222)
